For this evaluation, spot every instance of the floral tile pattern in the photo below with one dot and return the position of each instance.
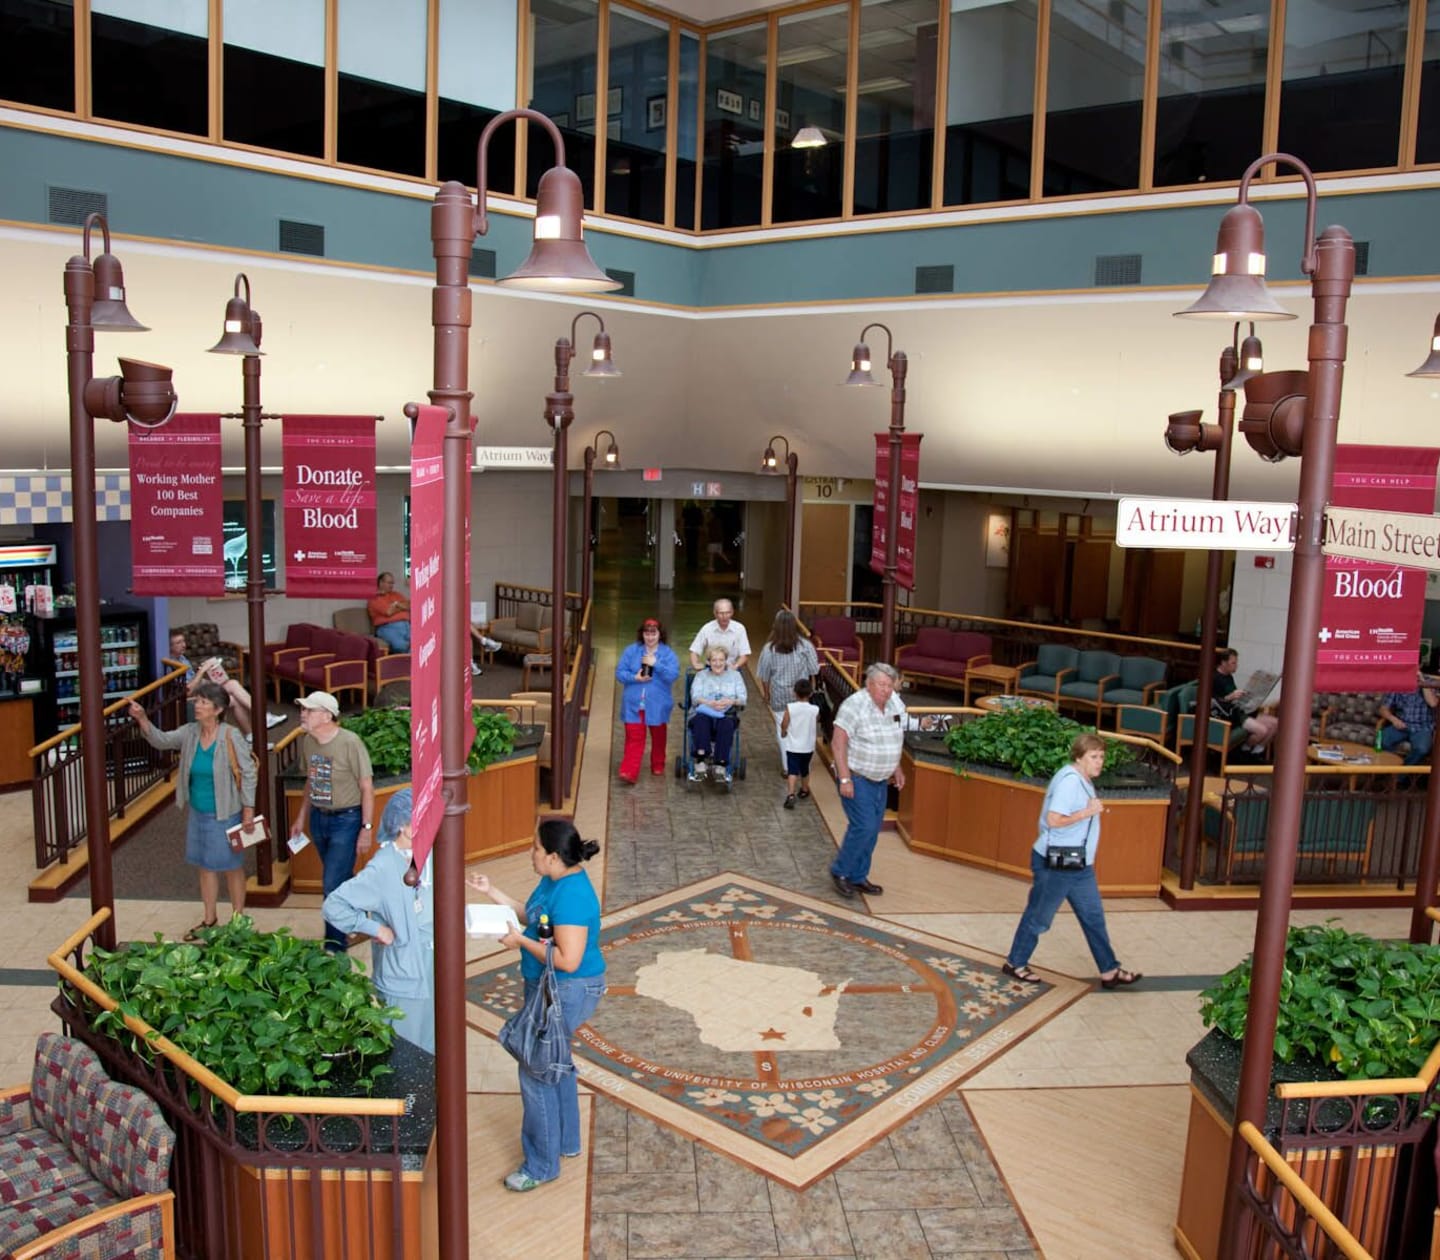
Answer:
(780, 1030)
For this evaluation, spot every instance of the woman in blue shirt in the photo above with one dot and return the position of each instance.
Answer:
(648, 669)
(716, 695)
(551, 1124)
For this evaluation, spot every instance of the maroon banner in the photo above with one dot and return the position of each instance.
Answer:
(909, 503)
(329, 506)
(177, 508)
(1370, 620)
(427, 527)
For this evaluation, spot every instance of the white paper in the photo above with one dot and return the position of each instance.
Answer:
(490, 920)
(296, 843)
(480, 612)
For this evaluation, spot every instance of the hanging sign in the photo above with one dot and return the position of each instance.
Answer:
(177, 507)
(1205, 525)
(329, 506)
(514, 457)
(909, 504)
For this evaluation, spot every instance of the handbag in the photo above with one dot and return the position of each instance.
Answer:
(1064, 857)
(535, 1035)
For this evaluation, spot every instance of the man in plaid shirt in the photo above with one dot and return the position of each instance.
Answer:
(1409, 715)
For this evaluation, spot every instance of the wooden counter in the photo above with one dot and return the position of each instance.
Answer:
(17, 738)
(992, 822)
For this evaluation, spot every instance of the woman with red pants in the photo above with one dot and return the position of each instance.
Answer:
(648, 669)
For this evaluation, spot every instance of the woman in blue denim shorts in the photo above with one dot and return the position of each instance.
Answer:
(551, 1124)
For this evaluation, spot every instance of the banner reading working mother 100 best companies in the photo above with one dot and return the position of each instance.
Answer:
(1370, 620)
(176, 507)
(909, 502)
(330, 506)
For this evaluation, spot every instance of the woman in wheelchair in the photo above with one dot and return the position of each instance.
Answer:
(715, 695)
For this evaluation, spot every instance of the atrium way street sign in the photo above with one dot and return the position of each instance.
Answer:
(1398, 538)
(1206, 525)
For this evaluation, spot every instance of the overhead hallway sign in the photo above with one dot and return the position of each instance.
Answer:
(1205, 525)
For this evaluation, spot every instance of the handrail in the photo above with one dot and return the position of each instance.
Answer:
(1388, 1085)
(1310, 1203)
(110, 710)
(196, 1071)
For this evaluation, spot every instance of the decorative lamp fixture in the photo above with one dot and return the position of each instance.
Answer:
(860, 366)
(1273, 421)
(1251, 360)
(109, 312)
(1237, 281)
(242, 324)
(601, 364)
(809, 138)
(1185, 433)
(559, 262)
(1431, 366)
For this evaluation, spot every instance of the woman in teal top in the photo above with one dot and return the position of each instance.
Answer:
(551, 1124)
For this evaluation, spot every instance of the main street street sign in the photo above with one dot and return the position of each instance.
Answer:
(1205, 525)
(1400, 538)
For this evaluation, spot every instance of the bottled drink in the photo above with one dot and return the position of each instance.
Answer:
(544, 931)
(1379, 739)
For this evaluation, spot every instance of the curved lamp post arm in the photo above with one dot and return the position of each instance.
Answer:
(482, 217)
(1307, 261)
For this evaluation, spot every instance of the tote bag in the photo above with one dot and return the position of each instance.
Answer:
(535, 1035)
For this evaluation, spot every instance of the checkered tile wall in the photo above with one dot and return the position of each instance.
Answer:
(44, 498)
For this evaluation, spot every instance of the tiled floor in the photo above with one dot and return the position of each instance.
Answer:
(1093, 1101)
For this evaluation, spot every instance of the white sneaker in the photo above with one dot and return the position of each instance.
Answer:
(718, 772)
(475, 670)
(724, 775)
(492, 645)
(697, 771)
(272, 720)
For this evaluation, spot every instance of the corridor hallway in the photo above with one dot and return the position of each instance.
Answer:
(1080, 1124)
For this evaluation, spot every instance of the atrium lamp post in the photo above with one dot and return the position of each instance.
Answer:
(558, 262)
(1185, 433)
(860, 375)
(611, 461)
(770, 463)
(559, 414)
(142, 395)
(1237, 292)
(241, 336)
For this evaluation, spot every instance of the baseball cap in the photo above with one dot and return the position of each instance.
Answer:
(321, 700)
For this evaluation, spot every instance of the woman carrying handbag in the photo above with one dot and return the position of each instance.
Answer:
(566, 900)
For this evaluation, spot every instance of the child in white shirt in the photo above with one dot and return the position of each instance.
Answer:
(797, 736)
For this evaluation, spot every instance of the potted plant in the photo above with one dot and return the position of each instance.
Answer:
(267, 1012)
(386, 733)
(1031, 741)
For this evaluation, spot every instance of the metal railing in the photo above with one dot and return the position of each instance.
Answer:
(255, 1177)
(1288, 1219)
(132, 768)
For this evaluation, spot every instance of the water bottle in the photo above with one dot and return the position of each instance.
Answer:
(1380, 738)
(544, 931)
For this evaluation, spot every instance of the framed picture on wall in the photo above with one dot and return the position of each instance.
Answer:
(782, 120)
(728, 102)
(585, 107)
(755, 111)
(614, 102)
(654, 113)
(997, 540)
(560, 120)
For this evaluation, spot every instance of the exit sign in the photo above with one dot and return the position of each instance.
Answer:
(651, 474)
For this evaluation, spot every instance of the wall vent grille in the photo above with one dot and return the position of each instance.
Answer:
(1116, 269)
(71, 205)
(482, 263)
(938, 278)
(302, 238)
(1362, 258)
(627, 282)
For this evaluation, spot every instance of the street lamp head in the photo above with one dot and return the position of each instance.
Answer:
(559, 262)
(860, 373)
(1431, 366)
(1184, 432)
(1237, 282)
(142, 394)
(770, 462)
(110, 312)
(242, 324)
(601, 363)
(1273, 421)
(1251, 362)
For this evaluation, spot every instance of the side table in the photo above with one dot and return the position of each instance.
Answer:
(1005, 676)
(537, 661)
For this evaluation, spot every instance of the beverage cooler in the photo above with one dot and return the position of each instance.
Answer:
(26, 589)
(124, 651)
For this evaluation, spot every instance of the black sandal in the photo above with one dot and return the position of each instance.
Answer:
(194, 933)
(1120, 979)
(1022, 974)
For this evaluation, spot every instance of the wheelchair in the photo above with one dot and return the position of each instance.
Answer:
(685, 760)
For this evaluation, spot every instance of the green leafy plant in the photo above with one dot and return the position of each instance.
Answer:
(386, 733)
(1032, 741)
(1368, 1008)
(265, 1011)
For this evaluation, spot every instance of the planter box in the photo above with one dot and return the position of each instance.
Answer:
(988, 821)
(501, 820)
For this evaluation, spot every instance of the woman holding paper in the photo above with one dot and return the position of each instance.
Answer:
(402, 921)
(566, 898)
(216, 780)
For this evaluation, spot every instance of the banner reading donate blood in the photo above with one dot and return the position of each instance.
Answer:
(329, 506)
(427, 524)
(177, 507)
(909, 503)
(1370, 620)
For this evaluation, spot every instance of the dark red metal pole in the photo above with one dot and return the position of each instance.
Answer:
(587, 543)
(899, 366)
(251, 423)
(1209, 634)
(792, 583)
(1421, 925)
(452, 233)
(79, 366)
(1330, 284)
(559, 413)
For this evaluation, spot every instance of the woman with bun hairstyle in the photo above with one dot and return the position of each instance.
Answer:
(566, 898)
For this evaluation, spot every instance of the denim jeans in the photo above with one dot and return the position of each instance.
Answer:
(865, 812)
(1049, 890)
(395, 635)
(1421, 741)
(551, 1124)
(334, 836)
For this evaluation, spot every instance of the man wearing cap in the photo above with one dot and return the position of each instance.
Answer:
(724, 632)
(339, 800)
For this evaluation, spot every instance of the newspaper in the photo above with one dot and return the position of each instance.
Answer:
(1256, 691)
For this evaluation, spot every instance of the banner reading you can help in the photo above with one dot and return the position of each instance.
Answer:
(909, 503)
(329, 506)
(177, 507)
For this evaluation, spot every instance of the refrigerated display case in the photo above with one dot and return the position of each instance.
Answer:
(124, 653)
(26, 585)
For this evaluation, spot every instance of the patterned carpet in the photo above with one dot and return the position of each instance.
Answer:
(777, 1029)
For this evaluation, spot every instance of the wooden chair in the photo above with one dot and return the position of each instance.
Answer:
(1220, 737)
(1143, 720)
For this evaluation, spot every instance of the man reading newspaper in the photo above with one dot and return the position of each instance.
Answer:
(1237, 705)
